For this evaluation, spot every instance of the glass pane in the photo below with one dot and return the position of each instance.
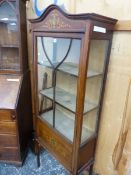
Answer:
(97, 58)
(58, 60)
(64, 121)
(9, 58)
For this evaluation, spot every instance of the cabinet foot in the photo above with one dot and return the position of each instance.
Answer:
(91, 170)
(38, 153)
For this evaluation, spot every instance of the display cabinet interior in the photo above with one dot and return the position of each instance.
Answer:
(66, 91)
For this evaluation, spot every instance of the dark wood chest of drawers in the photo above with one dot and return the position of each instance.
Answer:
(15, 118)
(8, 136)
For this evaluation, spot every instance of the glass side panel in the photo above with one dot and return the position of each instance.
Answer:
(9, 43)
(58, 60)
(97, 58)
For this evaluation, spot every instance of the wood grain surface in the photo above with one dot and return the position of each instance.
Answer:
(9, 90)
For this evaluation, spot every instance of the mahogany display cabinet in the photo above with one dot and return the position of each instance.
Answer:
(71, 56)
(15, 90)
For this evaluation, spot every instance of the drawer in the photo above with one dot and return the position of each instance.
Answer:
(7, 115)
(8, 127)
(9, 154)
(7, 140)
(55, 143)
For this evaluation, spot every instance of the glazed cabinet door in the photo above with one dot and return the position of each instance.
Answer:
(58, 67)
(9, 42)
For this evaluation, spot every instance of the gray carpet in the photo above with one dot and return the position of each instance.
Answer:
(49, 166)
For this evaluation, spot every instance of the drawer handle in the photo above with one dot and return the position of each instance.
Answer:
(13, 117)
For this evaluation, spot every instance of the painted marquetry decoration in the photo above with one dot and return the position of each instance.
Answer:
(54, 142)
(55, 22)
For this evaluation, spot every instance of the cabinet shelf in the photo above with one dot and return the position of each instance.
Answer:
(66, 99)
(62, 122)
(71, 69)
